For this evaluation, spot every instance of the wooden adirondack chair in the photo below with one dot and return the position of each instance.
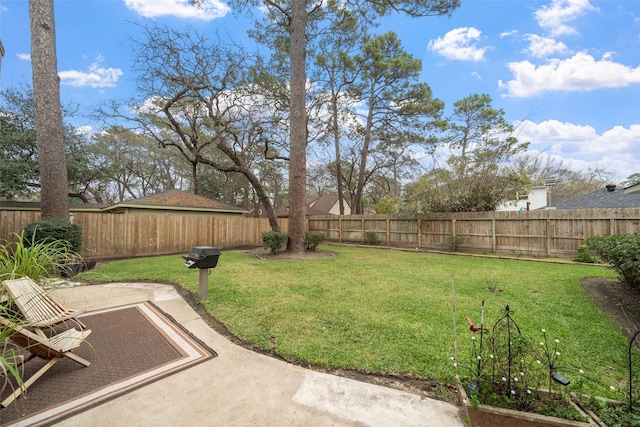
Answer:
(52, 349)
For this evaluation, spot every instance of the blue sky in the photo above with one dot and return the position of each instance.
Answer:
(566, 72)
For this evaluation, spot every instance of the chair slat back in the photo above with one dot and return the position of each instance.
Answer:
(35, 304)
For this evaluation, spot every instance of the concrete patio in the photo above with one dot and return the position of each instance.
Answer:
(241, 387)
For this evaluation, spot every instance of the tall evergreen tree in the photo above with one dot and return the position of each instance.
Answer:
(48, 111)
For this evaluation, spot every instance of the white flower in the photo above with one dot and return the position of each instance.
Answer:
(513, 392)
(544, 332)
(557, 341)
(515, 379)
(581, 371)
(455, 365)
(504, 379)
(452, 358)
(491, 356)
(541, 343)
(479, 357)
(528, 391)
(538, 362)
(612, 387)
(473, 338)
(522, 374)
(557, 353)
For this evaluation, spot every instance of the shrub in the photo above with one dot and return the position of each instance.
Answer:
(455, 241)
(52, 230)
(36, 260)
(371, 238)
(274, 240)
(313, 239)
(584, 254)
(622, 252)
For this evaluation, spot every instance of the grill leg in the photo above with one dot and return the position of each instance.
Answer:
(203, 283)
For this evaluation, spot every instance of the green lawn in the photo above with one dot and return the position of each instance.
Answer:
(391, 311)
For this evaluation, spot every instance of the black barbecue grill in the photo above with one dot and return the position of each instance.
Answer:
(203, 258)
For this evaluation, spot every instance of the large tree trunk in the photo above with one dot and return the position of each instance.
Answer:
(298, 135)
(52, 159)
(359, 208)
(336, 140)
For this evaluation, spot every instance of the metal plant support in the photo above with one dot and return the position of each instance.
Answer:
(630, 364)
(507, 344)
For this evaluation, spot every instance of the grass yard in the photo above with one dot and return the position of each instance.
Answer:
(388, 311)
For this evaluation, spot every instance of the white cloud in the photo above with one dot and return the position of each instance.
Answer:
(206, 10)
(96, 76)
(578, 73)
(508, 34)
(582, 147)
(556, 18)
(542, 47)
(24, 56)
(459, 44)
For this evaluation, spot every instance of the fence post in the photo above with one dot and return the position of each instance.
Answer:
(453, 232)
(388, 233)
(339, 230)
(419, 234)
(493, 235)
(548, 233)
(363, 230)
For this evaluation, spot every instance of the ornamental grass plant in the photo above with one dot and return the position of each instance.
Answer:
(36, 260)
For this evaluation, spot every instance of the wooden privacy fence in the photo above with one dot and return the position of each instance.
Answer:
(544, 233)
(106, 235)
(535, 233)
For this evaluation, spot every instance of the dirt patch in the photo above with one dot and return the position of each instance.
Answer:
(617, 300)
(266, 254)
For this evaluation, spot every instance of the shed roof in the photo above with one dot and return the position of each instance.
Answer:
(176, 199)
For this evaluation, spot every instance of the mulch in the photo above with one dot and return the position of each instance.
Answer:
(125, 344)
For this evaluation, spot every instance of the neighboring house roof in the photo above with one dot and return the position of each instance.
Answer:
(324, 203)
(172, 199)
(35, 206)
(610, 197)
(633, 189)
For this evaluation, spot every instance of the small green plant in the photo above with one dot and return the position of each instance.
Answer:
(276, 241)
(584, 254)
(612, 413)
(455, 241)
(48, 230)
(36, 260)
(371, 238)
(10, 355)
(313, 239)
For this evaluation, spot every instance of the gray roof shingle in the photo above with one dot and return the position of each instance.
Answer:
(601, 198)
